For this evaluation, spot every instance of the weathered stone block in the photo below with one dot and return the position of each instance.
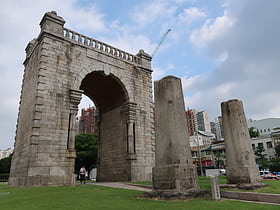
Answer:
(241, 165)
(174, 169)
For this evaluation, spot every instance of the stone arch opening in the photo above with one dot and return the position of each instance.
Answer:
(110, 98)
(107, 92)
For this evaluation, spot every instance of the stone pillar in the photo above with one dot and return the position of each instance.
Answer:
(215, 189)
(75, 98)
(129, 110)
(174, 169)
(241, 165)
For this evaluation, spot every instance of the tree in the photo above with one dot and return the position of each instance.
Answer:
(5, 164)
(219, 158)
(277, 150)
(274, 164)
(253, 132)
(260, 156)
(86, 145)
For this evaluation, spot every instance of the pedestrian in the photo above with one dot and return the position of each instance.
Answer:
(83, 175)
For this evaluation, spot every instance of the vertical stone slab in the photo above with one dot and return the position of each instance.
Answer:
(174, 169)
(241, 165)
(215, 189)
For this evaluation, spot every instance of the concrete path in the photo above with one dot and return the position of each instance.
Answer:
(121, 185)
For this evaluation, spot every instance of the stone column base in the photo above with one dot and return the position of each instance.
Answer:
(245, 175)
(175, 195)
(245, 186)
(175, 177)
(37, 181)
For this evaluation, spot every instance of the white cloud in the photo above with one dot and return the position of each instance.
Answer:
(211, 30)
(130, 42)
(149, 12)
(245, 43)
(188, 82)
(19, 21)
(191, 14)
(158, 73)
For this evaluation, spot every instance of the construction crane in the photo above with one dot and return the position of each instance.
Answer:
(162, 39)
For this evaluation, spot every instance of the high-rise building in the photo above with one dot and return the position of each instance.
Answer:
(197, 120)
(203, 123)
(219, 128)
(87, 120)
(213, 128)
(191, 122)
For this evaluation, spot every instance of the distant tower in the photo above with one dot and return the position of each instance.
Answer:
(197, 120)
(87, 120)
(191, 122)
(219, 128)
(203, 121)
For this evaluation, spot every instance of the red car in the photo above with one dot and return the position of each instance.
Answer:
(270, 177)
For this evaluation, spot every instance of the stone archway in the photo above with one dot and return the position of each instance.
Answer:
(111, 100)
(60, 66)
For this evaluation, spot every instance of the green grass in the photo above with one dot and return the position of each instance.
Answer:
(97, 197)
(274, 185)
(204, 183)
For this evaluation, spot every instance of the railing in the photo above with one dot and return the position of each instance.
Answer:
(4, 177)
(100, 46)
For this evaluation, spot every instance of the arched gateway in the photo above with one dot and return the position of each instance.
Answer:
(60, 66)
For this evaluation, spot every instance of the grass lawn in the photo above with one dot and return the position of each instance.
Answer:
(204, 183)
(98, 197)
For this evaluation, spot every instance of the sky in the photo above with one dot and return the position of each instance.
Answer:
(221, 49)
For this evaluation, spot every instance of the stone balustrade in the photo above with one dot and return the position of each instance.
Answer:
(100, 46)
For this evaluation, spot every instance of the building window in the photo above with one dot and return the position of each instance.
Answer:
(268, 130)
(269, 144)
(260, 145)
(253, 146)
(261, 131)
(264, 130)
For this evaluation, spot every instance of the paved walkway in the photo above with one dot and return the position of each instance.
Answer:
(121, 185)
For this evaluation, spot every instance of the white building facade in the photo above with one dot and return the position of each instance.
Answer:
(265, 126)
(5, 153)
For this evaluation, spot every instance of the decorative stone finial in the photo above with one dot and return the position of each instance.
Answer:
(53, 23)
(54, 12)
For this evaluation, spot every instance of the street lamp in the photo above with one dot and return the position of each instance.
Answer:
(199, 153)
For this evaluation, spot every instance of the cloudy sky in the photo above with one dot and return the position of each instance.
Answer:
(222, 49)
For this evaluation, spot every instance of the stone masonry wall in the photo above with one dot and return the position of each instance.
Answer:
(56, 64)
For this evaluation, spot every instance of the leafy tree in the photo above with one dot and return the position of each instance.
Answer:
(274, 164)
(277, 150)
(5, 164)
(260, 156)
(219, 158)
(253, 132)
(86, 145)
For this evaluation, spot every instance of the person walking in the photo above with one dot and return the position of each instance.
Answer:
(83, 175)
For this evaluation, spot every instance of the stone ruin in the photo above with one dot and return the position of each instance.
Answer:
(241, 165)
(174, 174)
